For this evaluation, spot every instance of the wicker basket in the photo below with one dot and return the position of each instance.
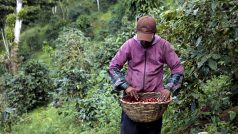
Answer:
(145, 111)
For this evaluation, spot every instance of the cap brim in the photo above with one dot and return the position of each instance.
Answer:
(145, 36)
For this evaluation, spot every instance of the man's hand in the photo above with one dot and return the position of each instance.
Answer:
(132, 92)
(165, 94)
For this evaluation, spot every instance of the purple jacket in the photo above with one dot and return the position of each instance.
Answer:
(145, 66)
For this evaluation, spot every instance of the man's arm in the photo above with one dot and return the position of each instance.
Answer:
(118, 79)
(174, 82)
(116, 64)
(177, 70)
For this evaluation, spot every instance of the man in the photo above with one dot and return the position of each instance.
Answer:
(146, 53)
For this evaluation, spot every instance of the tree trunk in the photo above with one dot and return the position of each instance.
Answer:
(98, 3)
(14, 49)
(18, 23)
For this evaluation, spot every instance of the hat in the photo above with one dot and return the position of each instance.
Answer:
(146, 28)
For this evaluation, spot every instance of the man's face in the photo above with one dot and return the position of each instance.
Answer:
(146, 44)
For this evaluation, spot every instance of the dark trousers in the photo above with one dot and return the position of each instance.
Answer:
(130, 127)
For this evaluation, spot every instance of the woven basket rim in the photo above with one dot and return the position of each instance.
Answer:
(133, 103)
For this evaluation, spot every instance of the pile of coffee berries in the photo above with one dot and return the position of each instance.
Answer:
(132, 99)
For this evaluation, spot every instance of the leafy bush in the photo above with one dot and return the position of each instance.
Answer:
(138, 7)
(70, 47)
(54, 29)
(83, 23)
(28, 89)
(71, 84)
(215, 88)
(71, 74)
(94, 108)
(204, 34)
(81, 83)
(99, 110)
(33, 38)
(206, 41)
(100, 113)
(212, 97)
(105, 50)
(115, 22)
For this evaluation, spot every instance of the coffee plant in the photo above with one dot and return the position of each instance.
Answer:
(28, 89)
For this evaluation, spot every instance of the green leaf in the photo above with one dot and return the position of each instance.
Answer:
(198, 41)
(203, 60)
(195, 12)
(232, 115)
(214, 5)
(196, 96)
(212, 64)
(236, 50)
(216, 56)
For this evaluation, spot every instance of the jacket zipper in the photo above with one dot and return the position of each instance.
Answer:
(144, 71)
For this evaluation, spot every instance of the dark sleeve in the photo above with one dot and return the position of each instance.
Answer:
(176, 68)
(116, 64)
(174, 82)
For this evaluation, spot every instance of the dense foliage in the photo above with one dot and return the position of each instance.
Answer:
(28, 89)
(204, 34)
